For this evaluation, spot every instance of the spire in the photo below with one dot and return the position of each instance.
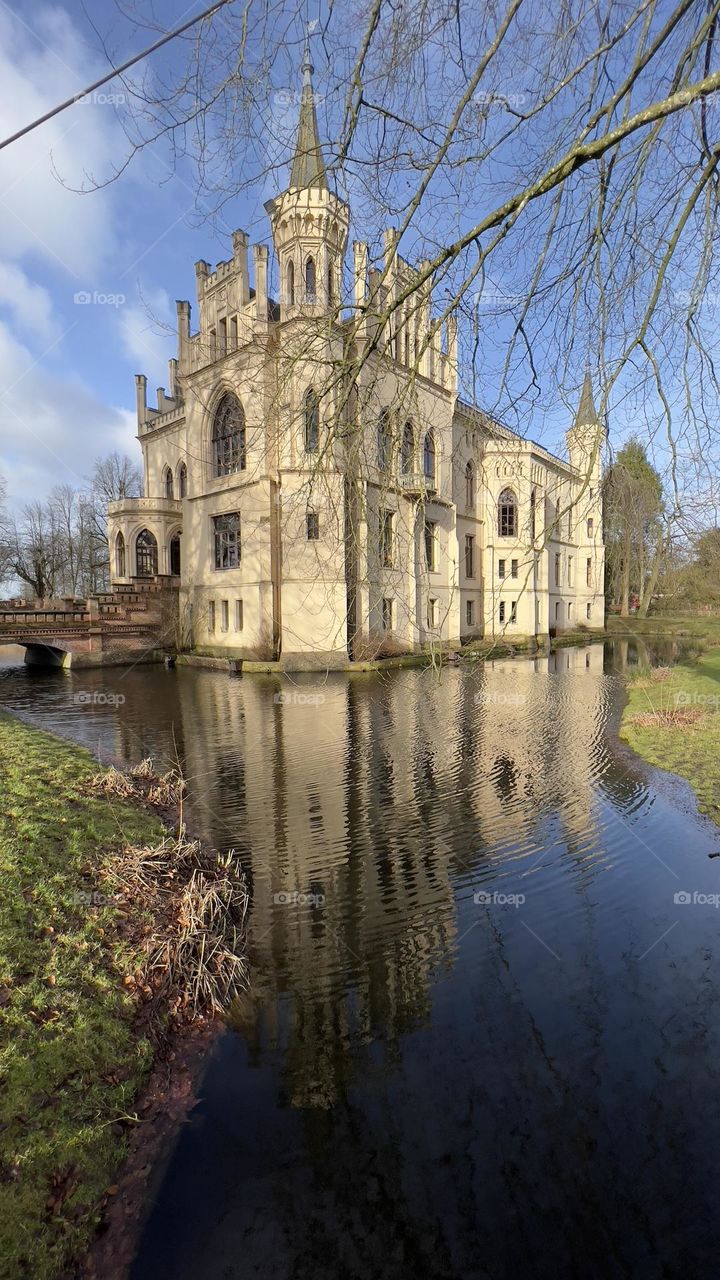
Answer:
(308, 167)
(587, 413)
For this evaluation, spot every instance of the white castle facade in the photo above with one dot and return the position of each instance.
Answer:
(315, 485)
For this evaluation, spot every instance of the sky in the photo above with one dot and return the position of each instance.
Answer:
(88, 282)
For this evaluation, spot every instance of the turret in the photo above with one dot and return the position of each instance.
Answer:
(309, 222)
(586, 437)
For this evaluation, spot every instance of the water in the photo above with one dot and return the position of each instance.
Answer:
(483, 1038)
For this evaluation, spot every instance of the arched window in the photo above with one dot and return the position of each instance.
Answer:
(311, 415)
(408, 449)
(470, 486)
(507, 514)
(331, 282)
(146, 554)
(290, 283)
(429, 457)
(175, 556)
(120, 556)
(229, 437)
(533, 512)
(384, 441)
(182, 481)
(169, 490)
(310, 285)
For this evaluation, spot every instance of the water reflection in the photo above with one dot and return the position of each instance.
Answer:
(474, 999)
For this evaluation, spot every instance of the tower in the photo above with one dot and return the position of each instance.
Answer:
(587, 436)
(309, 222)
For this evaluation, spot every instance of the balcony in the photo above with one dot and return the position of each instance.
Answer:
(417, 485)
(136, 506)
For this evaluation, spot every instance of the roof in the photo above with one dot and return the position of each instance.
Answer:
(308, 166)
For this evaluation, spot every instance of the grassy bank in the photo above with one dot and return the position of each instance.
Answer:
(70, 1061)
(696, 626)
(113, 933)
(672, 719)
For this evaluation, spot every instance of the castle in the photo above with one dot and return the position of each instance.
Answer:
(313, 482)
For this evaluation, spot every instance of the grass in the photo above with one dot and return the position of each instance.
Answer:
(672, 719)
(71, 1061)
(696, 626)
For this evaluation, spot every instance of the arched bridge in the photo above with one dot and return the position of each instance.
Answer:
(111, 628)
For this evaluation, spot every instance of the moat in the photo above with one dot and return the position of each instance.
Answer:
(483, 1036)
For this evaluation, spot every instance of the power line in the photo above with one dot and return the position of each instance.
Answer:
(116, 71)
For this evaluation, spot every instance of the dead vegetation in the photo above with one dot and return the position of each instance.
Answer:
(666, 718)
(184, 907)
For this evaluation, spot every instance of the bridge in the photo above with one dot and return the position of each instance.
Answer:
(112, 628)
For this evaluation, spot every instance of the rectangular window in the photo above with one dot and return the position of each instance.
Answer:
(469, 556)
(387, 539)
(233, 333)
(432, 613)
(513, 568)
(588, 611)
(470, 613)
(513, 610)
(222, 338)
(569, 610)
(224, 615)
(558, 569)
(226, 531)
(501, 611)
(570, 521)
(501, 568)
(431, 544)
(590, 526)
(312, 523)
(238, 615)
(387, 614)
(588, 572)
(211, 616)
(571, 571)
(557, 610)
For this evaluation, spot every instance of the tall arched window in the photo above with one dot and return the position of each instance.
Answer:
(175, 556)
(229, 437)
(310, 282)
(533, 510)
(182, 481)
(384, 441)
(146, 554)
(507, 514)
(331, 283)
(290, 283)
(429, 457)
(119, 556)
(169, 490)
(311, 416)
(408, 449)
(470, 486)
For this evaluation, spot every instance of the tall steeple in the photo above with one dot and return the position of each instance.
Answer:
(587, 413)
(308, 166)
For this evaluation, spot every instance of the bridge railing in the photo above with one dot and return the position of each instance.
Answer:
(18, 618)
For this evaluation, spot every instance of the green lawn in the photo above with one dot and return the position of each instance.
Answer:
(690, 749)
(696, 626)
(70, 1064)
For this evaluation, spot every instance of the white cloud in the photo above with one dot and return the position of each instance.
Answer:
(29, 304)
(51, 428)
(38, 214)
(148, 331)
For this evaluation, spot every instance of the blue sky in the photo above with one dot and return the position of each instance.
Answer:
(66, 367)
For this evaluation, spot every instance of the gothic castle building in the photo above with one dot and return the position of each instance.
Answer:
(313, 482)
